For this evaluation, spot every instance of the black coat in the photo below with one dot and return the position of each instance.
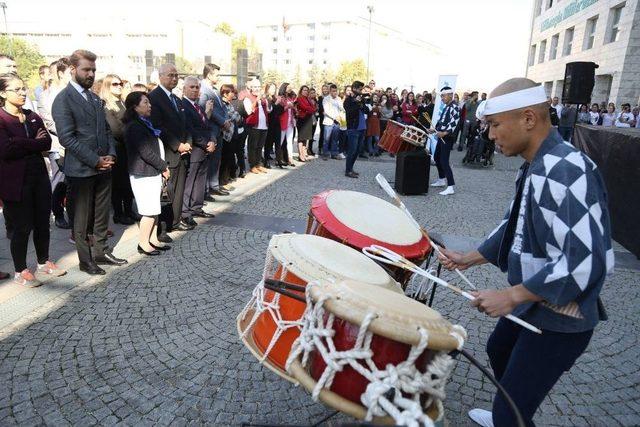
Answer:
(200, 132)
(143, 152)
(173, 124)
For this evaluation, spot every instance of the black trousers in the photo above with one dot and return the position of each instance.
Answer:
(31, 213)
(91, 198)
(227, 163)
(321, 138)
(237, 144)
(255, 146)
(121, 193)
(442, 158)
(272, 143)
(172, 214)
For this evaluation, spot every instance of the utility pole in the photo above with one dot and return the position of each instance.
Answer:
(370, 9)
(3, 5)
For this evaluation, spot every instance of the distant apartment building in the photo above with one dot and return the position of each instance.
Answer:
(395, 59)
(606, 32)
(122, 44)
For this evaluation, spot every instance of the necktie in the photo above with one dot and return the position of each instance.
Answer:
(87, 97)
(175, 102)
(200, 113)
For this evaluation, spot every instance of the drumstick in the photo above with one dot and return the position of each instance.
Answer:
(420, 124)
(384, 184)
(387, 256)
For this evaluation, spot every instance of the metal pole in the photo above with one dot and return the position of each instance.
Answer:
(370, 9)
(3, 5)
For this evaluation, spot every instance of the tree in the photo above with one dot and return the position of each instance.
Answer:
(224, 28)
(348, 71)
(27, 57)
(184, 66)
(272, 76)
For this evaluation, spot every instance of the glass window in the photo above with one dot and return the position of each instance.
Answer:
(568, 41)
(590, 33)
(532, 55)
(553, 50)
(614, 23)
(543, 49)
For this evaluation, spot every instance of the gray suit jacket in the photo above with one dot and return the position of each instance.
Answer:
(83, 131)
(219, 113)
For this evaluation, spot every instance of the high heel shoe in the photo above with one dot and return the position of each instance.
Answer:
(160, 248)
(152, 253)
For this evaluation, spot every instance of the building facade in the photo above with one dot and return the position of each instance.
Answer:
(121, 44)
(394, 59)
(606, 32)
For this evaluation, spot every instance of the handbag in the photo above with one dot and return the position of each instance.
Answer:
(166, 193)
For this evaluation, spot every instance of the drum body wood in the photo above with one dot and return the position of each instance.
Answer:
(360, 220)
(392, 141)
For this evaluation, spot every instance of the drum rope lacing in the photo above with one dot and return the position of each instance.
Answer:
(260, 304)
(404, 378)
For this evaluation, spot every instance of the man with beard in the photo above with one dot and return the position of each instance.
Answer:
(90, 154)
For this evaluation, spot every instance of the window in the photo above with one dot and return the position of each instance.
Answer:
(543, 49)
(311, 62)
(275, 39)
(288, 51)
(553, 50)
(275, 51)
(590, 33)
(532, 55)
(549, 4)
(538, 8)
(568, 41)
(326, 37)
(310, 50)
(614, 24)
(287, 61)
(311, 38)
(324, 62)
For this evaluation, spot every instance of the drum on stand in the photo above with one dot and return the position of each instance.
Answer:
(361, 220)
(374, 354)
(270, 322)
(398, 137)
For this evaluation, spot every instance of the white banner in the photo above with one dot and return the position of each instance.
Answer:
(445, 80)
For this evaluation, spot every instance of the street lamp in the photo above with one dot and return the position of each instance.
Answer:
(370, 9)
(3, 5)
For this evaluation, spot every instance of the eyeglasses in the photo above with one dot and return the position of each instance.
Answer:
(117, 84)
(17, 90)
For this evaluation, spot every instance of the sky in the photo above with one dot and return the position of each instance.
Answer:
(486, 41)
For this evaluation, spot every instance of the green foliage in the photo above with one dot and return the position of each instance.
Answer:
(348, 71)
(272, 76)
(185, 66)
(27, 57)
(224, 28)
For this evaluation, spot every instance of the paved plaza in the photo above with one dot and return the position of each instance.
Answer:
(155, 342)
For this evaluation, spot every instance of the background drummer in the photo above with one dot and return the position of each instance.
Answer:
(555, 245)
(445, 130)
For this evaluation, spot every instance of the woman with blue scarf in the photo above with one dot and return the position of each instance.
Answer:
(147, 167)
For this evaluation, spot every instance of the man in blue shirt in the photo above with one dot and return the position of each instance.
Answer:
(355, 110)
(555, 245)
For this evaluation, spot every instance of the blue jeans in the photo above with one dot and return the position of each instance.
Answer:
(372, 144)
(330, 143)
(528, 365)
(355, 139)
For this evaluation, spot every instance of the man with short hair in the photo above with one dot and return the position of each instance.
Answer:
(470, 107)
(567, 121)
(553, 114)
(356, 111)
(167, 114)
(332, 107)
(43, 72)
(89, 156)
(555, 246)
(203, 147)
(555, 103)
(218, 121)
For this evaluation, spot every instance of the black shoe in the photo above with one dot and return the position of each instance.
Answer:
(228, 187)
(160, 248)
(124, 220)
(164, 238)
(291, 165)
(219, 192)
(190, 221)
(209, 198)
(351, 175)
(62, 223)
(203, 214)
(152, 253)
(92, 269)
(182, 226)
(110, 259)
(242, 174)
(134, 216)
(325, 157)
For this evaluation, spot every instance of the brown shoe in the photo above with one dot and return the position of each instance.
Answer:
(254, 170)
(262, 169)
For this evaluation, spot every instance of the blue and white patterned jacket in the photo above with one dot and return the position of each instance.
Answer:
(558, 243)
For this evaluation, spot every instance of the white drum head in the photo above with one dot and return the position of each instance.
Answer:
(313, 257)
(373, 217)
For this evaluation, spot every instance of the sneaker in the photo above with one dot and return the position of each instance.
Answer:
(26, 278)
(341, 156)
(449, 190)
(481, 417)
(51, 269)
(441, 182)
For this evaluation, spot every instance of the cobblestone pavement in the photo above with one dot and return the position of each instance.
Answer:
(155, 342)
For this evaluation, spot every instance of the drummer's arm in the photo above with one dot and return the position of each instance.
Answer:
(452, 259)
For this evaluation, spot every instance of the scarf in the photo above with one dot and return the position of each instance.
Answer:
(146, 121)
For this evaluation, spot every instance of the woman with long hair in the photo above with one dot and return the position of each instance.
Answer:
(409, 109)
(147, 168)
(305, 111)
(313, 97)
(273, 129)
(121, 194)
(287, 122)
(24, 181)
(373, 127)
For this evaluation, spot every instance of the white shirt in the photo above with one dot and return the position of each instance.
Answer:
(80, 89)
(608, 119)
(558, 109)
(624, 119)
(594, 117)
(332, 108)
(262, 117)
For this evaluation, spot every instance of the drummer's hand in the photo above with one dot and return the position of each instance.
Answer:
(493, 302)
(452, 260)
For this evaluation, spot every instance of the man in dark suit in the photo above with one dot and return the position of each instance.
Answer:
(217, 121)
(90, 153)
(203, 146)
(167, 114)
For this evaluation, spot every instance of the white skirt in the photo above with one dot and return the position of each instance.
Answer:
(147, 189)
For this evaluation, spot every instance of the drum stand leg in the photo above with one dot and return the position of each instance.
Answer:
(433, 288)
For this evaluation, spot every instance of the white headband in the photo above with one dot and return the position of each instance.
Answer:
(513, 101)
(445, 92)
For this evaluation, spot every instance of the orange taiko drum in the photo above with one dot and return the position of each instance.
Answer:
(361, 220)
(398, 138)
(271, 322)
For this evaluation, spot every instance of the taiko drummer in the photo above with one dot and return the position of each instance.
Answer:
(555, 245)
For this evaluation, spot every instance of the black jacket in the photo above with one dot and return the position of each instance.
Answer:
(200, 132)
(173, 124)
(143, 152)
(353, 108)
